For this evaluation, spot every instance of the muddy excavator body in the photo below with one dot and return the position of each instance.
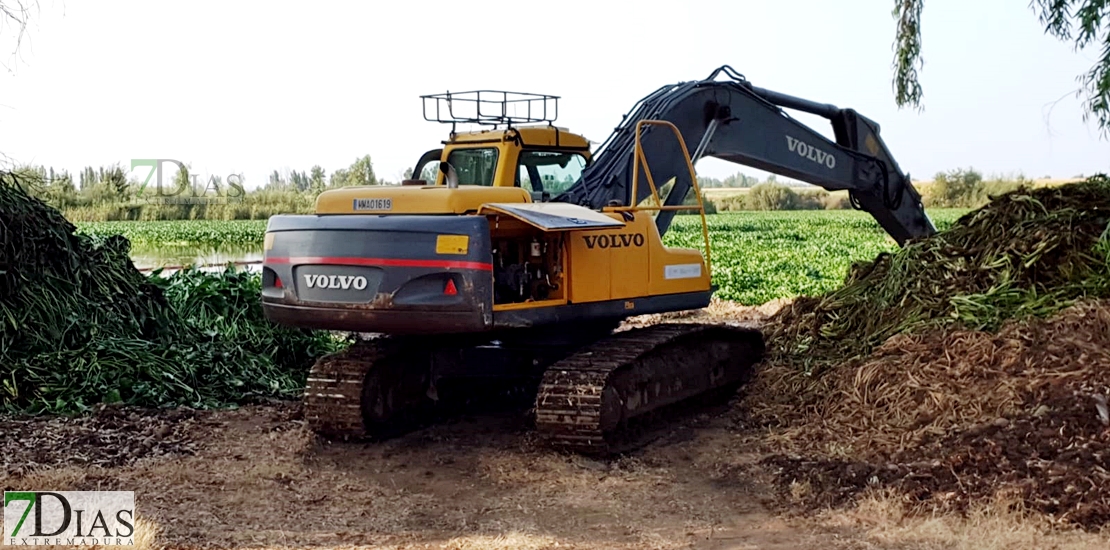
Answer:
(514, 254)
(493, 266)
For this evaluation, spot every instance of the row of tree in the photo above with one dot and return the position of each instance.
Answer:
(959, 188)
(316, 180)
(108, 193)
(114, 184)
(737, 181)
(115, 193)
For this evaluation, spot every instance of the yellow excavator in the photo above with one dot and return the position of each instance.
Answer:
(515, 253)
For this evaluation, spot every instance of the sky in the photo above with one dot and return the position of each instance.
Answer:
(248, 87)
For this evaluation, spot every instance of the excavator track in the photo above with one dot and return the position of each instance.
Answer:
(367, 390)
(587, 402)
(590, 401)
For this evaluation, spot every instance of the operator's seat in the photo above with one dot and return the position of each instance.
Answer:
(536, 183)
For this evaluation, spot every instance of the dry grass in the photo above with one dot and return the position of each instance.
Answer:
(146, 534)
(67, 478)
(146, 537)
(999, 524)
(505, 541)
(719, 311)
(73, 478)
(724, 192)
(466, 483)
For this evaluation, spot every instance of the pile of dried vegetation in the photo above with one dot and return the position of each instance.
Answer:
(964, 365)
(79, 325)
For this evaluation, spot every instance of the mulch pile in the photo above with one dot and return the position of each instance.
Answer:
(108, 437)
(970, 364)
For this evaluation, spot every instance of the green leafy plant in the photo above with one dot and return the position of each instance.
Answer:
(80, 325)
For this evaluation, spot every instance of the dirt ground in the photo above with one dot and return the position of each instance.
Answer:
(256, 478)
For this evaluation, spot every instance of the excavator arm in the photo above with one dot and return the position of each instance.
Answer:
(735, 121)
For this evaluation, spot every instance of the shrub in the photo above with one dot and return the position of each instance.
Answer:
(966, 188)
(771, 196)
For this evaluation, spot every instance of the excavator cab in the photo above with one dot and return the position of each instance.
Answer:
(523, 148)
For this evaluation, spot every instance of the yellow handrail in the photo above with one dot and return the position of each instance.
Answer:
(640, 160)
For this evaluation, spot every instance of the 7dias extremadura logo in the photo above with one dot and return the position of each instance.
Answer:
(70, 518)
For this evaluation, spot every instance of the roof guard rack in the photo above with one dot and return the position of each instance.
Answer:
(490, 107)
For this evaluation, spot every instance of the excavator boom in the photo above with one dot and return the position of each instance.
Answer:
(735, 121)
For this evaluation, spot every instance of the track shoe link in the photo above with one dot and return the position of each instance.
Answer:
(375, 388)
(587, 402)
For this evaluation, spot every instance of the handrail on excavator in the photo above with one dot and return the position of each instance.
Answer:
(640, 160)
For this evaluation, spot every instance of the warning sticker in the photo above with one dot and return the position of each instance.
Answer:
(452, 244)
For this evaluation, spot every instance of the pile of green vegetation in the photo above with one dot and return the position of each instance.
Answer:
(1028, 253)
(79, 325)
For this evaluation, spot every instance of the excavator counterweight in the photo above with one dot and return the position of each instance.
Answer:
(513, 256)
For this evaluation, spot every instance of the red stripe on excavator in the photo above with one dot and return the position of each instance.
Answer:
(382, 262)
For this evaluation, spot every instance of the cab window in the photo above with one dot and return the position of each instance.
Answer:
(474, 166)
(550, 171)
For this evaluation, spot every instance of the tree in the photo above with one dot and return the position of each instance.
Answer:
(706, 183)
(1081, 22)
(955, 187)
(361, 172)
(15, 14)
(317, 179)
(338, 178)
(276, 182)
(299, 181)
(88, 178)
(63, 182)
(181, 179)
(115, 179)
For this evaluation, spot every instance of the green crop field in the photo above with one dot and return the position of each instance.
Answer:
(756, 256)
(761, 256)
(212, 233)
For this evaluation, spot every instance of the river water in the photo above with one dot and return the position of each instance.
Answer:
(170, 258)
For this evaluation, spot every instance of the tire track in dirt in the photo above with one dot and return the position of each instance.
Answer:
(255, 477)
